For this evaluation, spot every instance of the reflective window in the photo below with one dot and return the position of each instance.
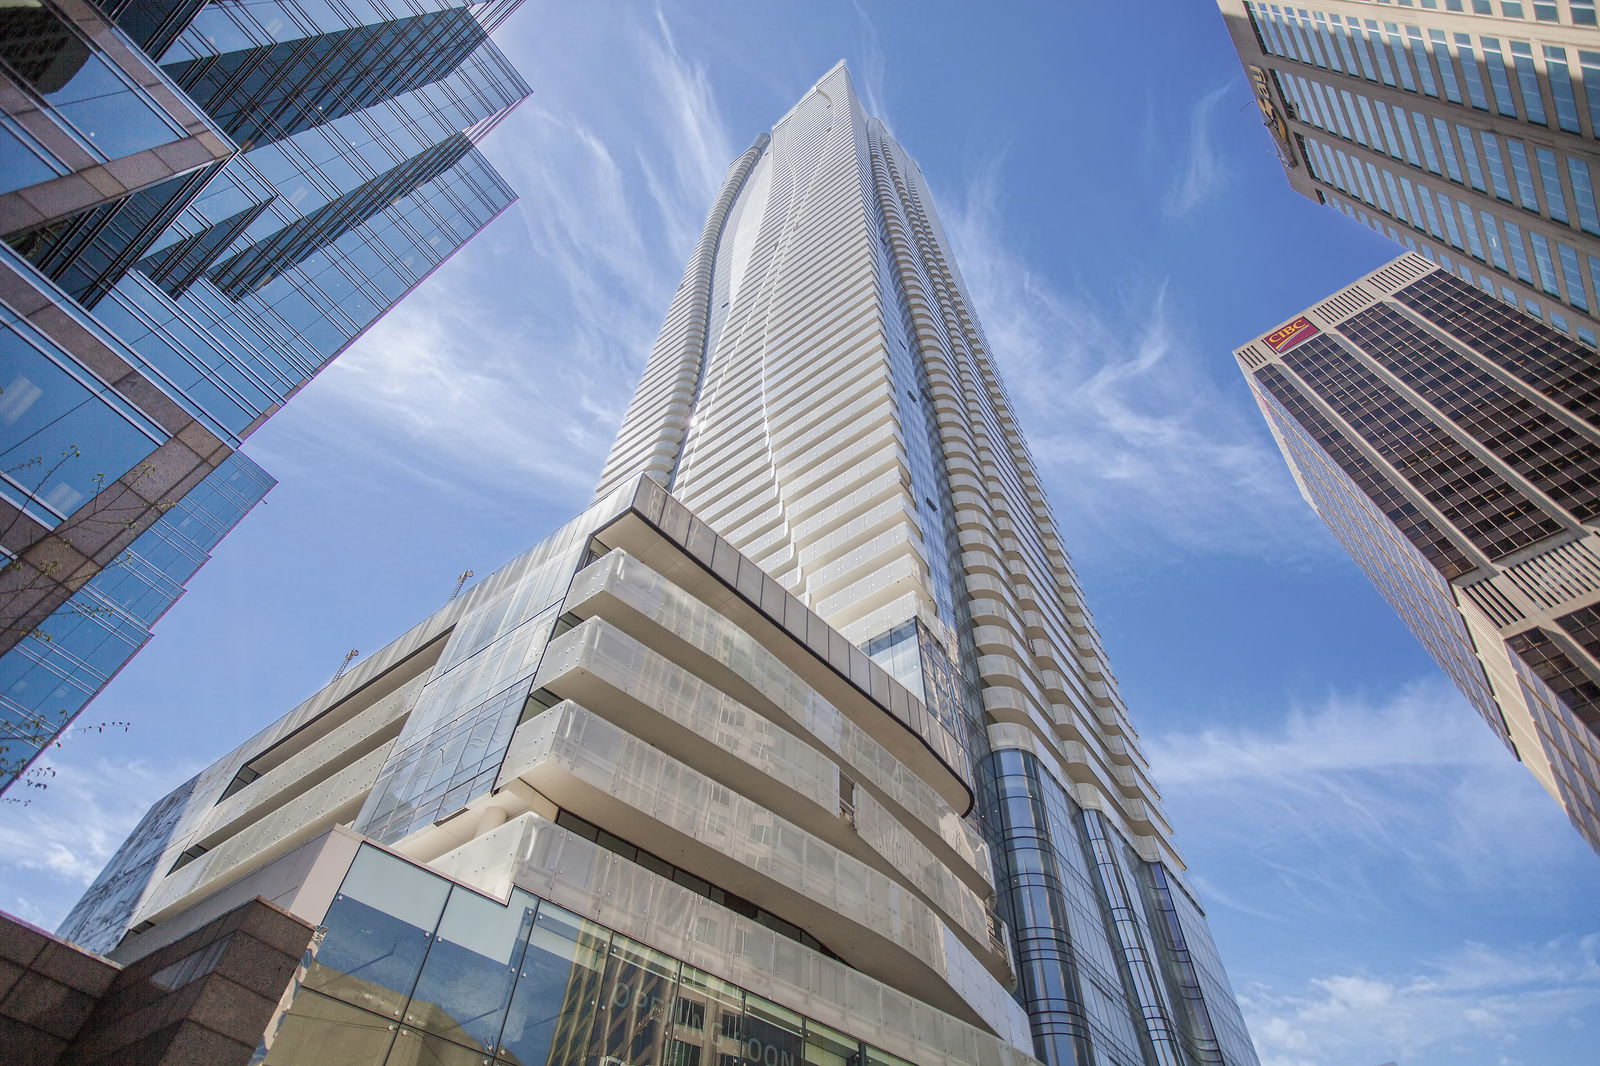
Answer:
(1497, 167)
(1560, 76)
(379, 928)
(1522, 173)
(1447, 67)
(1470, 72)
(1550, 178)
(108, 113)
(1573, 275)
(1583, 194)
(67, 433)
(1528, 81)
(1499, 76)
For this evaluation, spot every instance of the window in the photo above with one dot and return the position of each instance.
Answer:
(1550, 177)
(1555, 64)
(1499, 76)
(1528, 80)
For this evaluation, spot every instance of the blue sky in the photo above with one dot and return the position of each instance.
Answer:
(1384, 882)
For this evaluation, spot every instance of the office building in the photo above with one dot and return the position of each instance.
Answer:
(1452, 446)
(798, 745)
(203, 203)
(1462, 129)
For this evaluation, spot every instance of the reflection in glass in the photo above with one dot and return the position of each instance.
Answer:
(557, 990)
(378, 931)
(466, 980)
(324, 1031)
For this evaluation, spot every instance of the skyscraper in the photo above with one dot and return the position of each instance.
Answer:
(797, 745)
(203, 204)
(1452, 446)
(1463, 129)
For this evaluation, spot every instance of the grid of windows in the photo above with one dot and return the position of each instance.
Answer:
(1567, 372)
(1562, 462)
(1435, 546)
(1403, 58)
(1489, 511)
(1571, 684)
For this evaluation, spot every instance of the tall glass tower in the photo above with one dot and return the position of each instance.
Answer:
(797, 746)
(203, 203)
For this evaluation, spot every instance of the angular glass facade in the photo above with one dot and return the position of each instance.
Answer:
(413, 968)
(221, 201)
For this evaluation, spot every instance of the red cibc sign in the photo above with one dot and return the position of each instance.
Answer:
(1290, 334)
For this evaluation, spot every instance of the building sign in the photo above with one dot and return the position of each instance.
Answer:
(1271, 117)
(1290, 334)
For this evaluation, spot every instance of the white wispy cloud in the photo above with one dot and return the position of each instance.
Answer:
(1120, 408)
(509, 370)
(63, 837)
(1364, 803)
(1475, 998)
(1205, 171)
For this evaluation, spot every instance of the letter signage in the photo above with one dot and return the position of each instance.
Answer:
(1290, 334)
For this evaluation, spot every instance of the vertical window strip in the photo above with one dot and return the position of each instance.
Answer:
(1522, 173)
(1573, 276)
(1583, 195)
(1519, 251)
(1327, 42)
(1375, 38)
(1419, 54)
(1491, 236)
(1379, 200)
(1452, 231)
(1555, 198)
(1546, 264)
(1409, 190)
(1371, 122)
(1499, 76)
(1429, 155)
(1590, 62)
(1358, 40)
(1387, 126)
(1447, 149)
(1528, 81)
(1363, 171)
(1440, 46)
(1469, 153)
(1402, 62)
(1566, 101)
(1351, 65)
(1356, 125)
(1473, 76)
(1302, 48)
(1429, 212)
(1398, 208)
(1497, 167)
(1405, 136)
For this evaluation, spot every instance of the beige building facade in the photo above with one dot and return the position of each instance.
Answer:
(1453, 446)
(1463, 130)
